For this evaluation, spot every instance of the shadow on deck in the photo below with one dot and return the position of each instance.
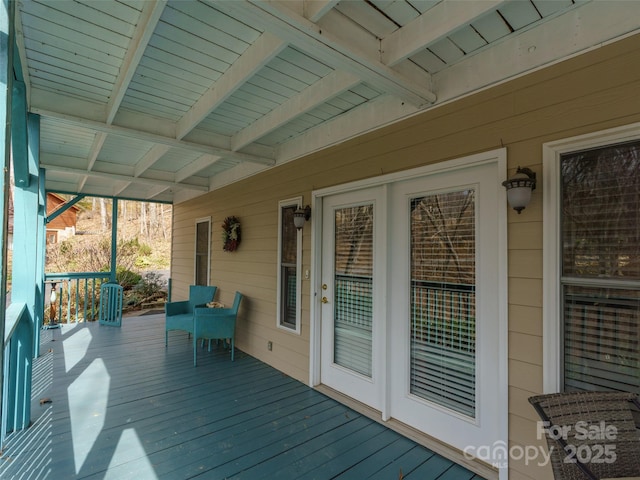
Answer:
(124, 407)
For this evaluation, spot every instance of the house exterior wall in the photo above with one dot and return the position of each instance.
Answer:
(589, 93)
(63, 221)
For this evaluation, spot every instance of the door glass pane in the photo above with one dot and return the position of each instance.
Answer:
(443, 310)
(353, 311)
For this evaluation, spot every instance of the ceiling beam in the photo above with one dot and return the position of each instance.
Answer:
(436, 23)
(155, 191)
(320, 92)
(573, 32)
(253, 59)
(326, 47)
(117, 177)
(149, 18)
(194, 167)
(151, 137)
(314, 10)
(154, 154)
(118, 190)
(96, 146)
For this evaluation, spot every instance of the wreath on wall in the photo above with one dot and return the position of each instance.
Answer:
(230, 234)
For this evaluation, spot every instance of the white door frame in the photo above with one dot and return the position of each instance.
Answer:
(498, 156)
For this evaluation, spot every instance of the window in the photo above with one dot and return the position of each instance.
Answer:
(202, 248)
(289, 266)
(598, 256)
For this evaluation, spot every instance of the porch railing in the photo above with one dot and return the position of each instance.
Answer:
(77, 296)
(18, 349)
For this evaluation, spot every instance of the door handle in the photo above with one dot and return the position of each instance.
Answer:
(324, 300)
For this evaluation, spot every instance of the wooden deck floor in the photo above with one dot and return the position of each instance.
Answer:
(124, 407)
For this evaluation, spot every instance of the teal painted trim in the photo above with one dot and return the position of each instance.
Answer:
(64, 207)
(70, 192)
(17, 64)
(74, 275)
(33, 129)
(114, 239)
(17, 343)
(7, 42)
(21, 173)
(14, 313)
(66, 284)
(20, 347)
(16, 405)
(41, 240)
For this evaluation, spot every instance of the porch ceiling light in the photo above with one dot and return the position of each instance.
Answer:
(301, 215)
(519, 188)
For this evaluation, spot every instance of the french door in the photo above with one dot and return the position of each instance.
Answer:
(410, 301)
(445, 363)
(352, 294)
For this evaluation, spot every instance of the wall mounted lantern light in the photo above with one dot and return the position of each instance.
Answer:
(301, 215)
(519, 188)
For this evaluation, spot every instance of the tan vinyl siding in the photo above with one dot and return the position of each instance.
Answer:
(592, 92)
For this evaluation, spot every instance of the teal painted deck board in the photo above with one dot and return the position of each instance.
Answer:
(161, 418)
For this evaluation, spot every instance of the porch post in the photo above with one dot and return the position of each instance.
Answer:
(6, 76)
(25, 282)
(114, 238)
(33, 125)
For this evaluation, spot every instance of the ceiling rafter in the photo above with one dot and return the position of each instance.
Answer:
(314, 10)
(155, 191)
(149, 18)
(96, 146)
(117, 191)
(154, 154)
(151, 137)
(438, 22)
(194, 167)
(326, 88)
(306, 35)
(98, 142)
(265, 48)
(115, 176)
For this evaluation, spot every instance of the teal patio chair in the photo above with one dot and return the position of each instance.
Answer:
(110, 310)
(216, 324)
(179, 315)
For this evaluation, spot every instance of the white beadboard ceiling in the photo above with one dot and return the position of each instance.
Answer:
(166, 100)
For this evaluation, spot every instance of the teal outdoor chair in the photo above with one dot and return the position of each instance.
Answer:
(110, 312)
(179, 315)
(216, 324)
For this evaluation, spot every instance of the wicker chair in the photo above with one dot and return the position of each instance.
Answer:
(591, 435)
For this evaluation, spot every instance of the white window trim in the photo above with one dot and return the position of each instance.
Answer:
(552, 248)
(195, 247)
(291, 202)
